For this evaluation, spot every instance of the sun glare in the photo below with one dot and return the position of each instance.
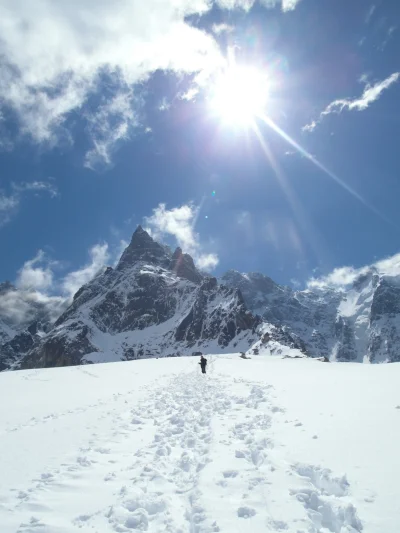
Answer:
(239, 94)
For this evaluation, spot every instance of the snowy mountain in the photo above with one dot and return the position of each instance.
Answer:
(360, 324)
(154, 303)
(261, 445)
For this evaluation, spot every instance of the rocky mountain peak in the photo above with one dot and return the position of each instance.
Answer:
(143, 248)
(184, 267)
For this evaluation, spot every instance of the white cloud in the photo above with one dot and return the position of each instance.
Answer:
(207, 262)
(342, 277)
(180, 222)
(289, 5)
(389, 266)
(8, 206)
(9, 203)
(54, 57)
(190, 94)
(286, 5)
(370, 12)
(164, 105)
(310, 127)
(20, 308)
(35, 274)
(74, 280)
(40, 291)
(236, 4)
(107, 126)
(222, 28)
(339, 278)
(38, 186)
(55, 53)
(371, 94)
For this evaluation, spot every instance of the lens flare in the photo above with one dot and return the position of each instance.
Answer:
(239, 94)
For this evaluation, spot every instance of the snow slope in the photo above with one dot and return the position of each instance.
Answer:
(266, 444)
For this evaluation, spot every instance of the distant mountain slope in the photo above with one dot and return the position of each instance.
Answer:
(360, 324)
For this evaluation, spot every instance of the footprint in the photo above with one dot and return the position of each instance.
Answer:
(323, 480)
(240, 454)
(322, 500)
(278, 525)
(246, 512)
(230, 473)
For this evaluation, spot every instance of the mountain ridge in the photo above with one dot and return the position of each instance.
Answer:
(156, 303)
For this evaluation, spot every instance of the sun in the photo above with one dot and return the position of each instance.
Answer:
(239, 94)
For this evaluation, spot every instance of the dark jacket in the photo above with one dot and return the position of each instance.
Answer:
(203, 363)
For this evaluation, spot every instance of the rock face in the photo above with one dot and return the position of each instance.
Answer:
(360, 324)
(152, 304)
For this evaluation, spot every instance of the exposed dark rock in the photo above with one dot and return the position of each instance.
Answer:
(183, 266)
(143, 248)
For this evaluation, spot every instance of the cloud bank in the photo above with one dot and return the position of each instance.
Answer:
(54, 57)
(341, 278)
(55, 53)
(38, 290)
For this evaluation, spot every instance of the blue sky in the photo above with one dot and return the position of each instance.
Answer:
(106, 122)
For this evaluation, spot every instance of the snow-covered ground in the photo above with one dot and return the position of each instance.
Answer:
(267, 444)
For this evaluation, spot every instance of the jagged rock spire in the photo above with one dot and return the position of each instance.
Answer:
(143, 248)
(183, 265)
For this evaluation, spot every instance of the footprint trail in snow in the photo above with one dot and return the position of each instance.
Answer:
(195, 456)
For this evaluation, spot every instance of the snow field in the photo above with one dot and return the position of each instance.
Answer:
(256, 445)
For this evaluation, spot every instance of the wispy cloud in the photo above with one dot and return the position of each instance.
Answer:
(371, 94)
(311, 126)
(10, 202)
(343, 277)
(180, 222)
(388, 37)
(289, 5)
(222, 28)
(370, 13)
(8, 206)
(286, 5)
(36, 186)
(109, 125)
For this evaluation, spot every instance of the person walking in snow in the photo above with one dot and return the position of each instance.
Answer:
(203, 364)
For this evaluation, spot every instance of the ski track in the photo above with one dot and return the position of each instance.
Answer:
(168, 467)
